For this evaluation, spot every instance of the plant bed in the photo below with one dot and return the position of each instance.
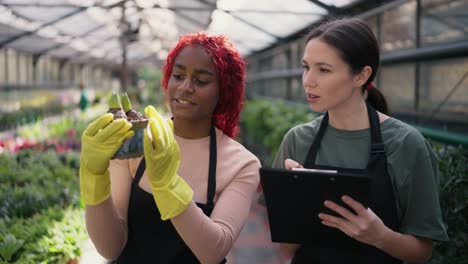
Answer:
(41, 220)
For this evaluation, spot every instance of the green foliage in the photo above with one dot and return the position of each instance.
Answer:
(52, 236)
(8, 168)
(58, 129)
(9, 120)
(453, 166)
(34, 182)
(41, 220)
(267, 121)
(151, 93)
(9, 246)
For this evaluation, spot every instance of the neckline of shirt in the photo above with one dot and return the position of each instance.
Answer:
(196, 141)
(361, 133)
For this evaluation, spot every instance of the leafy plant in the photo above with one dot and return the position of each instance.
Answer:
(265, 122)
(453, 166)
(27, 115)
(38, 182)
(9, 245)
(151, 93)
(52, 236)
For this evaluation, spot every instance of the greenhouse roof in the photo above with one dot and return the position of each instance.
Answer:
(94, 31)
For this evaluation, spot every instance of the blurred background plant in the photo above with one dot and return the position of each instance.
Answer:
(454, 202)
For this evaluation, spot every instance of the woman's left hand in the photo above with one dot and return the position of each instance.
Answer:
(363, 225)
(161, 150)
(170, 191)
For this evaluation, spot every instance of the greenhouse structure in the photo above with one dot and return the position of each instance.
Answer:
(65, 63)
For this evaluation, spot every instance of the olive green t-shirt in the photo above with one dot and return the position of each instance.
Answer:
(412, 166)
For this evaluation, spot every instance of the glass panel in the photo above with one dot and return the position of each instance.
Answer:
(372, 22)
(297, 53)
(3, 66)
(85, 74)
(30, 69)
(46, 69)
(76, 25)
(32, 43)
(444, 21)
(71, 73)
(54, 70)
(32, 2)
(265, 15)
(397, 84)
(78, 73)
(289, 22)
(22, 67)
(65, 73)
(42, 14)
(280, 60)
(438, 80)
(50, 70)
(399, 27)
(297, 90)
(276, 88)
(337, 3)
(12, 66)
(223, 23)
(7, 31)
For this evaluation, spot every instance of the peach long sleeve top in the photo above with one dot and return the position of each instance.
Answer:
(209, 238)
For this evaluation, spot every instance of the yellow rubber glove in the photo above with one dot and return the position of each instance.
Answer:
(162, 154)
(100, 141)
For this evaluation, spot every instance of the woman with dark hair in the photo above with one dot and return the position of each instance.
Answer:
(188, 198)
(340, 61)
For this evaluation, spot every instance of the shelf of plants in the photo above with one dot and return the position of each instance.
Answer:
(41, 217)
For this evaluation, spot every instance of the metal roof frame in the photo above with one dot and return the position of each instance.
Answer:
(179, 10)
(27, 33)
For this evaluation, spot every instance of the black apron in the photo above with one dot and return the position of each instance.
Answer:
(152, 240)
(326, 249)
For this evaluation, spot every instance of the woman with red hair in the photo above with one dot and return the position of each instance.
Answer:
(188, 198)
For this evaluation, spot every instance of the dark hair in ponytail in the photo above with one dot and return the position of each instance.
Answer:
(358, 48)
(377, 99)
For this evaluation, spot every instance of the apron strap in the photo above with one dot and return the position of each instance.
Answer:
(377, 146)
(212, 169)
(313, 150)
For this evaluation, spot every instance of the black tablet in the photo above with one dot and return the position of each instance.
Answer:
(294, 198)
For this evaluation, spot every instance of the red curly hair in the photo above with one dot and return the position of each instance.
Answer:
(230, 67)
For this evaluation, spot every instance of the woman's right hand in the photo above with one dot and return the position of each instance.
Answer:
(292, 164)
(170, 191)
(100, 141)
